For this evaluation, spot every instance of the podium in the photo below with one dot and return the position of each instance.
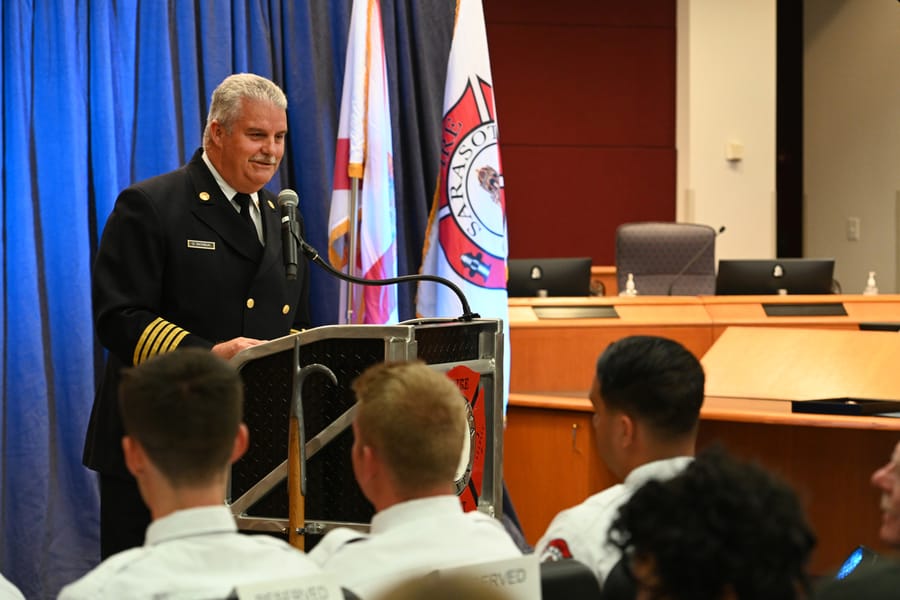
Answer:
(471, 353)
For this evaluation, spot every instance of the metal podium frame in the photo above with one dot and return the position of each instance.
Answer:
(257, 489)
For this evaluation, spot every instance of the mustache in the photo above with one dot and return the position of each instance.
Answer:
(266, 160)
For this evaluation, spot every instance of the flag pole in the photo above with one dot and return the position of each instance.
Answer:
(353, 216)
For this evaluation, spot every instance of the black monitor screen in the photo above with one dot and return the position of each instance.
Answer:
(775, 276)
(558, 276)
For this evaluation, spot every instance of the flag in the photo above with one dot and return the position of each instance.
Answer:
(365, 151)
(466, 239)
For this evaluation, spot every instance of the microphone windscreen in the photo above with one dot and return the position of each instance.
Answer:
(288, 197)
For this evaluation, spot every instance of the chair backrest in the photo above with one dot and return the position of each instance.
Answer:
(619, 585)
(656, 252)
(568, 579)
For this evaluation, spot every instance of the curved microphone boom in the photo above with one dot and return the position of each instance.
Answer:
(290, 197)
(695, 258)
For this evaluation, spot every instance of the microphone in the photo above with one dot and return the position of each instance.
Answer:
(288, 200)
(695, 258)
(290, 231)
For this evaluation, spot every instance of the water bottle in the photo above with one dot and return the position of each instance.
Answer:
(629, 290)
(871, 286)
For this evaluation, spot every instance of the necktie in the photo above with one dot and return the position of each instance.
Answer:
(243, 201)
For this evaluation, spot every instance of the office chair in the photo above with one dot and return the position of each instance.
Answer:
(568, 579)
(667, 259)
(619, 585)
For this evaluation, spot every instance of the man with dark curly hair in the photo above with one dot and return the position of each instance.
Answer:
(721, 530)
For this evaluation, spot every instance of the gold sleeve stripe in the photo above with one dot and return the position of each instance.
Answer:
(152, 348)
(136, 359)
(159, 336)
(171, 341)
(151, 339)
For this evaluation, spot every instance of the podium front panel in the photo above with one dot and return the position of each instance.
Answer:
(347, 350)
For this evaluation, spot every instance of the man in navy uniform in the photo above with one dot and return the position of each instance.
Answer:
(191, 258)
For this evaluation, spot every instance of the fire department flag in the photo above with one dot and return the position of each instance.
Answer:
(466, 240)
(365, 151)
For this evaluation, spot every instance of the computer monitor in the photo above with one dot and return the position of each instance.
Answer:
(557, 276)
(775, 276)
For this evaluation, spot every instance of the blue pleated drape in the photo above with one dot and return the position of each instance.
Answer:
(97, 94)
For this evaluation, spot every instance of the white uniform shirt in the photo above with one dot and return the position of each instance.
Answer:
(409, 539)
(581, 532)
(193, 553)
(229, 192)
(8, 591)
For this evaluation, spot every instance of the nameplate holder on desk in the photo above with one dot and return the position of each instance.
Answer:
(575, 312)
(846, 406)
(879, 326)
(812, 309)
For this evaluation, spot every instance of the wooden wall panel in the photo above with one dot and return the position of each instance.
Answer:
(613, 13)
(585, 92)
(584, 86)
(568, 200)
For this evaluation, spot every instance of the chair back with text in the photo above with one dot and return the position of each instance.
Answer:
(667, 259)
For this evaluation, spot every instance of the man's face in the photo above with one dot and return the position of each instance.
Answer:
(887, 479)
(250, 153)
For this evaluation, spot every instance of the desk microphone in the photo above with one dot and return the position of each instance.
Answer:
(695, 258)
(290, 228)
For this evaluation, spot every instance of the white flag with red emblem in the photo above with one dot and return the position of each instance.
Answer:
(466, 241)
(365, 151)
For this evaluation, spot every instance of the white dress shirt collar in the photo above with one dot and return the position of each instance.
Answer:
(190, 522)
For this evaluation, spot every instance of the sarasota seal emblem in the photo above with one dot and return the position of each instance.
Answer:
(471, 209)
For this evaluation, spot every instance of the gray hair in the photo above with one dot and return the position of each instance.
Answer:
(225, 106)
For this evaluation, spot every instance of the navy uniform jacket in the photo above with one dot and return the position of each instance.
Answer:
(177, 266)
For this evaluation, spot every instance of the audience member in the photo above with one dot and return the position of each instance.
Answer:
(646, 395)
(721, 530)
(182, 414)
(408, 432)
(881, 579)
(887, 479)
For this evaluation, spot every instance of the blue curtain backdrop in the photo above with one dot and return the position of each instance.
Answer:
(97, 94)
